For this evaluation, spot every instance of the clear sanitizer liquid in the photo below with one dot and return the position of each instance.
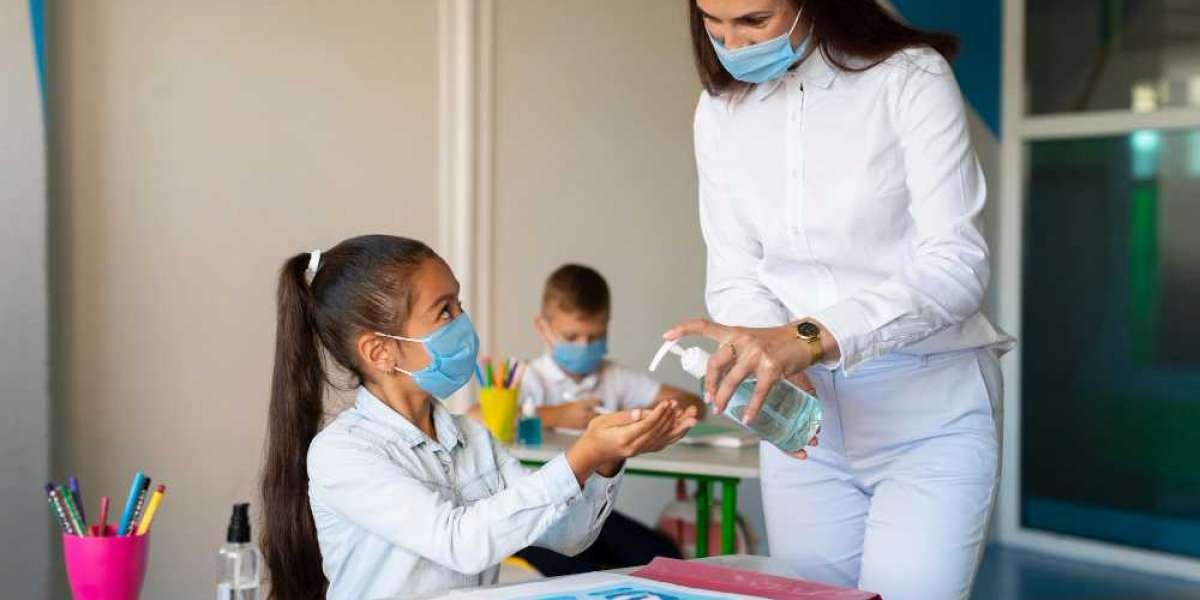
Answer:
(239, 563)
(788, 418)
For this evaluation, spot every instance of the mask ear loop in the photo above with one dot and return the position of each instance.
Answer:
(799, 14)
(400, 338)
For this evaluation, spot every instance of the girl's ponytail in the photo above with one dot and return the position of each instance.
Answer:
(289, 538)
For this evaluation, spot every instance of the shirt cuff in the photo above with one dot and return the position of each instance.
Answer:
(599, 486)
(561, 486)
(846, 324)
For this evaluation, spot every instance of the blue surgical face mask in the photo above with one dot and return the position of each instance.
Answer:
(763, 61)
(580, 359)
(452, 350)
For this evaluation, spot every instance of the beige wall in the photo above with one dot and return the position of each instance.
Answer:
(24, 397)
(197, 144)
(593, 164)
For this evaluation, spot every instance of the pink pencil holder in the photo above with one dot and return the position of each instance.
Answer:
(106, 568)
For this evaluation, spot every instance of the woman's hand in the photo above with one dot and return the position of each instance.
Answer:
(769, 354)
(610, 439)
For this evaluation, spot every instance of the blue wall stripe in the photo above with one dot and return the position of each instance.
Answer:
(979, 23)
(37, 14)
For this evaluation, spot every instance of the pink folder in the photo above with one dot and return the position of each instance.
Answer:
(723, 579)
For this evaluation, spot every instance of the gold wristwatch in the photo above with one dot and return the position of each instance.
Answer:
(810, 333)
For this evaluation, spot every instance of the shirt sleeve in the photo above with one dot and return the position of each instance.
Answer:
(636, 389)
(580, 524)
(532, 387)
(733, 292)
(944, 283)
(358, 483)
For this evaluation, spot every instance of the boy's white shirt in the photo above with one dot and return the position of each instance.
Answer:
(616, 387)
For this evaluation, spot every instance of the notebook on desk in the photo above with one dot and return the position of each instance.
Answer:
(714, 578)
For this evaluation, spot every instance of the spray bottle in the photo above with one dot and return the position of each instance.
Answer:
(789, 416)
(239, 563)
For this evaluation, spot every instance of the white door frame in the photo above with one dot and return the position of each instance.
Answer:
(465, 109)
(1018, 130)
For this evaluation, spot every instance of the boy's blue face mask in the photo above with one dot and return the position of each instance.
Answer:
(763, 61)
(580, 359)
(452, 350)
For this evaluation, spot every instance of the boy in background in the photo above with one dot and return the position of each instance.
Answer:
(569, 384)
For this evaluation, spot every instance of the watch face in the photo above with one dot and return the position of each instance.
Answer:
(808, 330)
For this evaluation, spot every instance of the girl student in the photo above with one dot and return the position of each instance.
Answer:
(396, 495)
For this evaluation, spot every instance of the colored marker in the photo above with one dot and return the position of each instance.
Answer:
(512, 379)
(77, 494)
(500, 374)
(72, 512)
(479, 375)
(151, 509)
(57, 509)
(491, 378)
(131, 503)
(520, 375)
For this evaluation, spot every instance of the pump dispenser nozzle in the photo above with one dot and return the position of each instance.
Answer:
(693, 360)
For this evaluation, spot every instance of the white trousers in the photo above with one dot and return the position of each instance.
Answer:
(896, 497)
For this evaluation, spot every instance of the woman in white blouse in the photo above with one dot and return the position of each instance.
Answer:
(840, 202)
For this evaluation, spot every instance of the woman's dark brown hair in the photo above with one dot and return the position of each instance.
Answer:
(842, 29)
(360, 285)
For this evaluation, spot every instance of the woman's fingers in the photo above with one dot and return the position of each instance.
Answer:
(768, 374)
(800, 454)
(718, 363)
(729, 383)
(702, 327)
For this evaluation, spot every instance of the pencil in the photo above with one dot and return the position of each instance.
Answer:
(143, 496)
(151, 510)
(77, 495)
(104, 515)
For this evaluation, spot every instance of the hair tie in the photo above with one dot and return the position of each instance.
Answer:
(314, 263)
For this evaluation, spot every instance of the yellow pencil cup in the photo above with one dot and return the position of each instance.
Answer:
(499, 407)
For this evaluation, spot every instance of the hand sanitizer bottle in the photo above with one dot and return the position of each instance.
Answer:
(789, 416)
(529, 427)
(239, 563)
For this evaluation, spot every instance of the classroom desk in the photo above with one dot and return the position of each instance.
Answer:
(704, 465)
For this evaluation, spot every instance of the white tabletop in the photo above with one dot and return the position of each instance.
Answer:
(740, 463)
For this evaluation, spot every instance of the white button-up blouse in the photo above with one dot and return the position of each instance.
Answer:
(853, 198)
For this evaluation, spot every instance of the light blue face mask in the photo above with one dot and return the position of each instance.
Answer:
(452, 350)
(763, 61)
(580, 359)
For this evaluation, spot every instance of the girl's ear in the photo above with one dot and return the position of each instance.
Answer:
(376, 353)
